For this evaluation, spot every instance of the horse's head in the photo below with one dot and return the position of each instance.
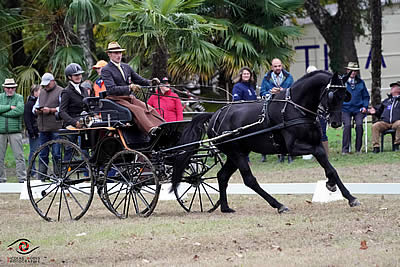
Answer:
(332, 98)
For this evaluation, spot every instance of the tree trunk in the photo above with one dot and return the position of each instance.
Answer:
(84, 33)
(160, 62)
(338, 30)
(376, 51)
(17, 42)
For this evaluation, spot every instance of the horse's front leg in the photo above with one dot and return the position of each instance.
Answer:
(251, 182)
(298, 147)
(332, 175)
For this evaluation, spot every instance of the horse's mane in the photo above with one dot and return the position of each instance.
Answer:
(314, 73)
(300, 82)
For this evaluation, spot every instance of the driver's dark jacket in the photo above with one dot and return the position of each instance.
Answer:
(72, 105)
(389, 110)
(115, 82)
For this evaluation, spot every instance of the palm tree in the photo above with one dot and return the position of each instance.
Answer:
(159, 30)
(56, 33)
(257, 31)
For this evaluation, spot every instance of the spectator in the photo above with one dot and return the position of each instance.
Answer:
(166, 102)
(389, 117)
(88, 86)
(356, 108)
(244, 90)
(11, 112)
(46, 107)
(98, 85)
(120, 81)
(275, 81)
(30, 120)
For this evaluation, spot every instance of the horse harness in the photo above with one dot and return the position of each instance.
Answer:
(264, 116)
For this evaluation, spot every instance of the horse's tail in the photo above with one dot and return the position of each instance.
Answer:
(193, 132)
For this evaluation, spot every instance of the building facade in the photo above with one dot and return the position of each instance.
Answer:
(312, 49)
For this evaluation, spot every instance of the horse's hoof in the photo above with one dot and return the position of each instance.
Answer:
(283, 209)
(228, 210)
(331, 188)
(354, 203)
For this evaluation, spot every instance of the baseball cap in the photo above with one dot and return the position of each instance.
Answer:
(100, 64)
(165, 80)
(46, 79)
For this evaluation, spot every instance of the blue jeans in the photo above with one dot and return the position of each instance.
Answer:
(323, 129)
(34, 143)
(44, 153)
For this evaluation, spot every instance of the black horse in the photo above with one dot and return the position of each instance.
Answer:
(285, 124)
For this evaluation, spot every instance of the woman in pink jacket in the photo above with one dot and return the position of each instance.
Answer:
(167, 103)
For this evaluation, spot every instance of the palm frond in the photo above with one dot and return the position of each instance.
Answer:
(55, 4)
(201, 58)
(85, 11)
(25, 78)
(64, 56)
(241, 45)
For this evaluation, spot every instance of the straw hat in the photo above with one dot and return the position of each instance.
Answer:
(114, 47)
(353, 66)
(100, 64)
(9, 83)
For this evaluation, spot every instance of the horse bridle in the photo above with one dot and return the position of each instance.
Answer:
(330, 90)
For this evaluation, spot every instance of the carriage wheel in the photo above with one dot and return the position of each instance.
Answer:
(198, 190)
(61, 186)
(130, 184)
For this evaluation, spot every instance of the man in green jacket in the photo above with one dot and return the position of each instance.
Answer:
(11, 113)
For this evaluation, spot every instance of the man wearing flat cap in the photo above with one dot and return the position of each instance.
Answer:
(119, 78)
(122, 82)
(11, 113)
(356, 108)
(388, 113)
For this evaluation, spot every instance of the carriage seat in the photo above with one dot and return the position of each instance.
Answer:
(111, 112)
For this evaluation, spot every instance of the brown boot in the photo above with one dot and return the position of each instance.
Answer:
(325, 144)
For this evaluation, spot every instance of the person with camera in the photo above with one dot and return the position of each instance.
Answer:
(388, 113)
(45, 108)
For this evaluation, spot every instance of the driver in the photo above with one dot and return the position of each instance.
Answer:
(122, 82)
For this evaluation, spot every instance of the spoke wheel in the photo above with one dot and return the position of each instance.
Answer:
(198, 191)
(62, 187)
(130, 185)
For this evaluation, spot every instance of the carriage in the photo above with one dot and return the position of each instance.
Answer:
(125, 166)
